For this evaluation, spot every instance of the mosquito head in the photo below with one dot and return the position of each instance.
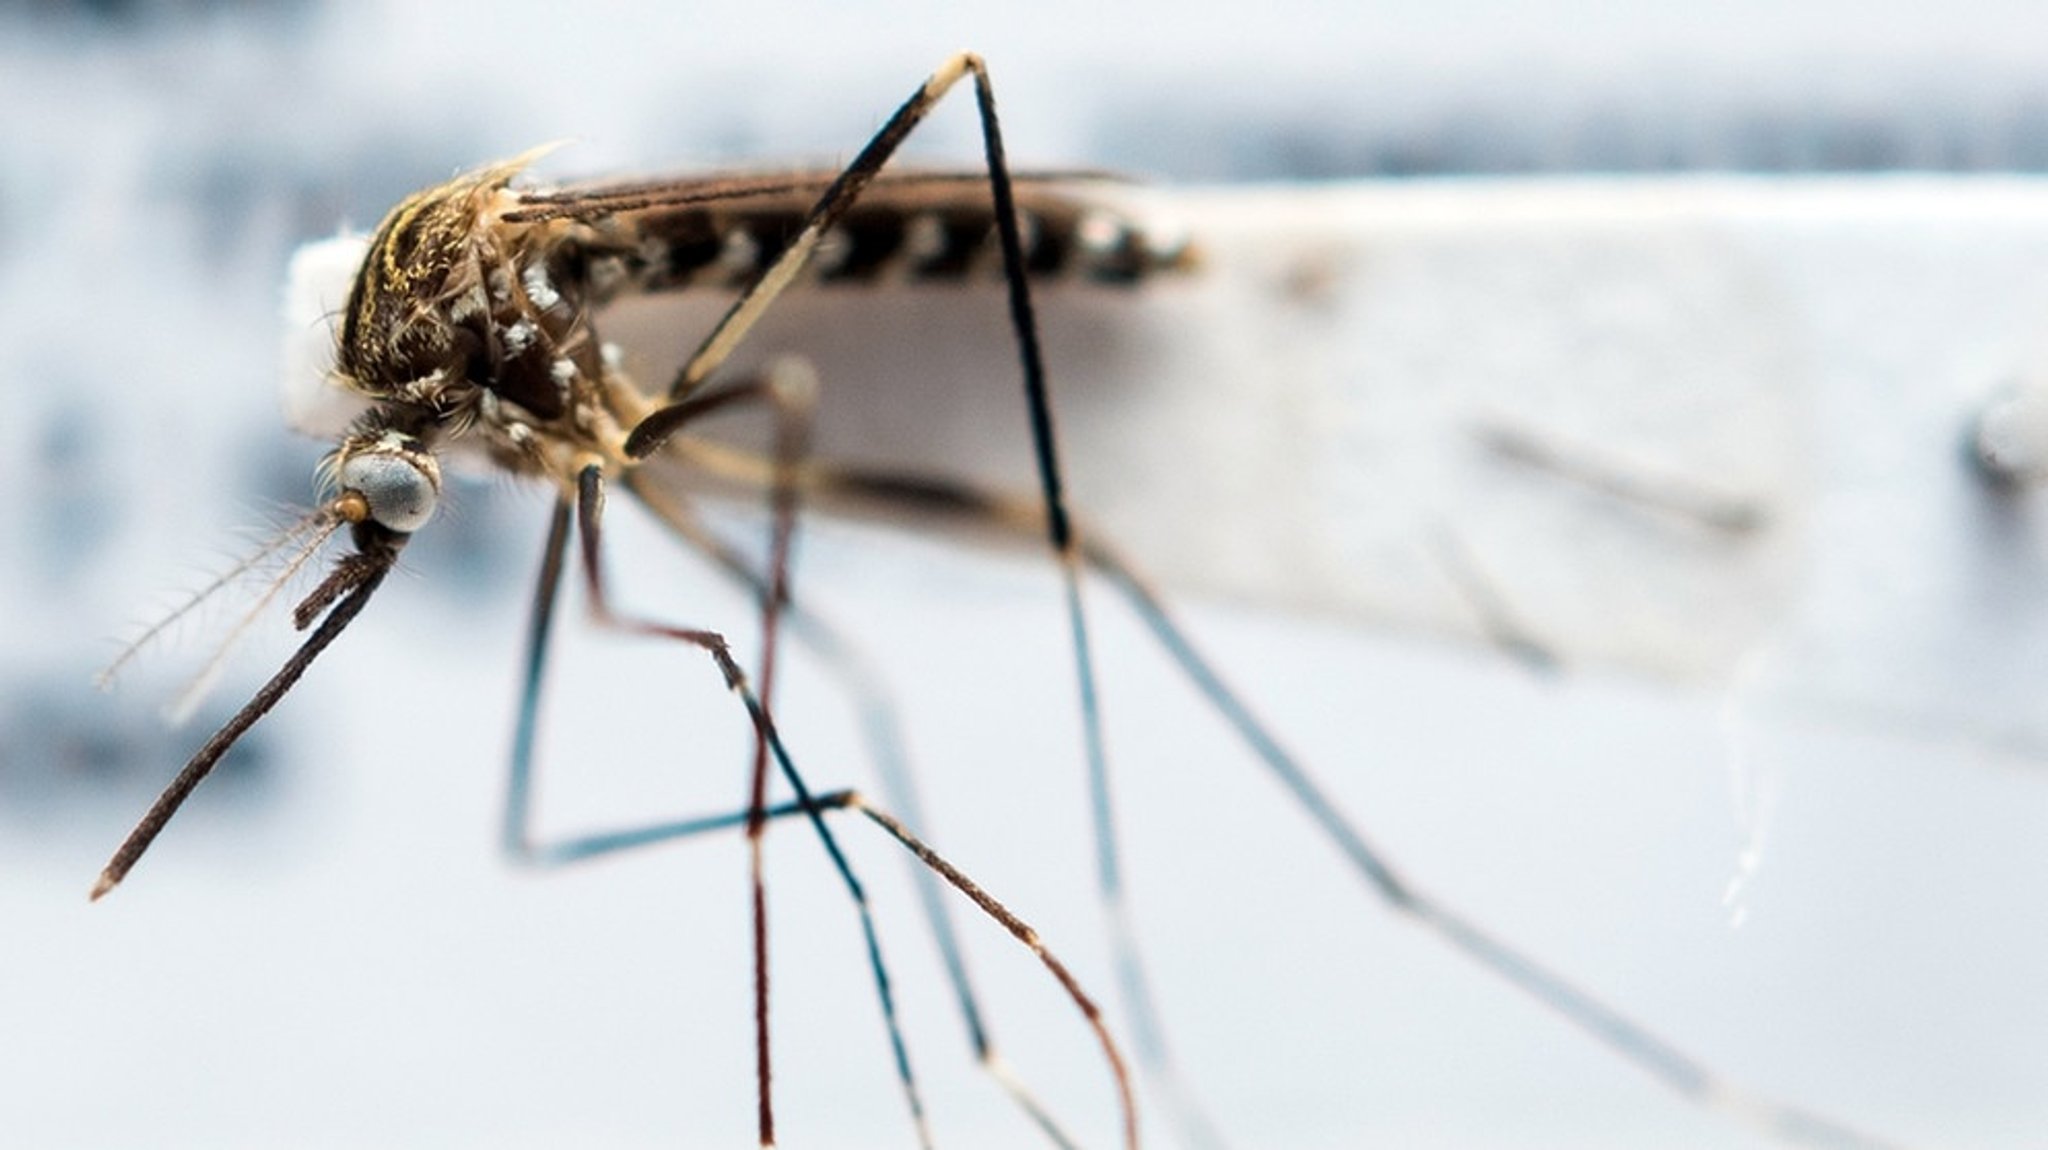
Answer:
(391, 480)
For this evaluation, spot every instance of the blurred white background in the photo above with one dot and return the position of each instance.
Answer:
(326, 950)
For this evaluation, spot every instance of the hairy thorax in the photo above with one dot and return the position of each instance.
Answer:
(460, 324)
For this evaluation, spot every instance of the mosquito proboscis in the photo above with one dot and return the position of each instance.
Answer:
(472, 325)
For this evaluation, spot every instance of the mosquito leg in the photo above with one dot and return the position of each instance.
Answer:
(522, 846)
(882, 731)
(933, 498)
(837, 199)
(929, 497)
(1634, 1042)
(517, 838)
(1146, 1028)
(792, 390)
(516, 835)
(813, 807)
(589, 517)
(648, 435)
(651, 432)
(1029, 937)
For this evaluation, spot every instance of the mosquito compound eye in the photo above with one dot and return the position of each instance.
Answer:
(400, 487)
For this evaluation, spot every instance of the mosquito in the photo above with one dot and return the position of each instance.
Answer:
(472, 326)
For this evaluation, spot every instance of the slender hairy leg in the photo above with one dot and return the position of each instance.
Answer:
(839, 197)
(939, 501)
(857, 674)
(1051, 517)
(657, 427)
(653, 430)
(587, 510)
(792, 390)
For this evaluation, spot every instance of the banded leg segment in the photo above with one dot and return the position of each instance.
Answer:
(839, 197)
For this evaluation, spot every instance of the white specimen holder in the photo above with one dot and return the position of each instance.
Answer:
(1720, 431)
